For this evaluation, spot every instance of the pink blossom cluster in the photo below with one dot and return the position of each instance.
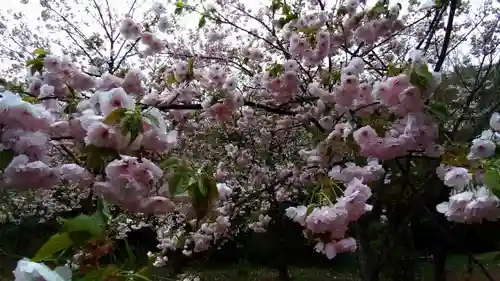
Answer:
(327, 42)
(284, 87)
(472, 206)
(133, 31)
(209, 233)
(372, 171)
(253, 54)
(484, 146)
(180, 231)
(219, 105)
(160, 11)
(28, 128)
(132, 82)
(330, 223)
(260, 225)
(414, 133)
(129, 183)
(468, 201)
(60, 75)
(89, 126)
(350, 94)
(458, 178)
(24, 129)
(171, 237)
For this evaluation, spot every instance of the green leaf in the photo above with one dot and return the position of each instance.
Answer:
(95, 225)
(378, 9)
(439, 110)
(489, 257)
(174, 184)
(492, 180)
(103, 273)
(170, 162)
(139, 276)
(122, 72)
(17, 89)
(286, 10)
(307, 30)
(200, 203)
(209, 187)
(79, 238)
(324, 77)
(57, 243)
(329, 78)
(327, 187)
(204, 192)
(496, 156)
(275, 5)
(281, 22)
(179, 182)
(171, 79)
(131, 123)
(103, 209)
(40, 52)
(421, 77)
(202, 21)
(115, 115)
(5, 157)
(32, 61)
(30, 99)
(201, 187)
(96, 158)
(423, 70)
(311, 207)
(35, 65)
(131, 258)
(179, 7)
(179, 4)
(71, 107)
(393, 70)
(152, 118)
(275, 69)
(190, 67)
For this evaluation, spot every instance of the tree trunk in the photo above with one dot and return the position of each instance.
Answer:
(283, 272)
(368, 264)
(439, 258)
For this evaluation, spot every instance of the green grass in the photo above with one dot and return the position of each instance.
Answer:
(456, 268)
(234, 273)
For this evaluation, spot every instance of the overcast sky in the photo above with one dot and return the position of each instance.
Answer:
(32, 10)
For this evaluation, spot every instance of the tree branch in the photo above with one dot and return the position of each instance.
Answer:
(447, 35)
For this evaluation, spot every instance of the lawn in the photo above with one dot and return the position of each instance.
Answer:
(236, 273)
(456, 271)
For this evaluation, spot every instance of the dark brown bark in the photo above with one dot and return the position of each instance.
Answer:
(283, 272)
(368, 266)
(439, 258)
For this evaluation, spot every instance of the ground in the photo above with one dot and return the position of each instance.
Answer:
(314, 274)
(456, 271)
